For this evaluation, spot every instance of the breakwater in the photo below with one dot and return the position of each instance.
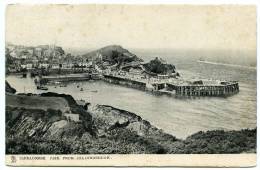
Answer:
(125, 82)
(220, 89)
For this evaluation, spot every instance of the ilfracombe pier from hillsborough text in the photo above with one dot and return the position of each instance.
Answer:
(114, 64)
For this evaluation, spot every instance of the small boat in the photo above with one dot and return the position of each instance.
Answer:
(81, 89)
(57, 82)
(42, 88)
(63, 85)
(94, 91)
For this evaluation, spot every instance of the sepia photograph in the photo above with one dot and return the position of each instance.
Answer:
(129, 79)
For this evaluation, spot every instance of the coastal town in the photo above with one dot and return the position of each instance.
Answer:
(50, 64)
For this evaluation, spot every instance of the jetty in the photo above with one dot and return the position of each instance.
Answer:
(223, 88)
(179, 87)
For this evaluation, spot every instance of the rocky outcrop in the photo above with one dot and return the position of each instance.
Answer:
(8, 88)
(158, 66)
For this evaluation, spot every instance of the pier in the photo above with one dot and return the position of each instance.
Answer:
(225, 89)
(180, 87)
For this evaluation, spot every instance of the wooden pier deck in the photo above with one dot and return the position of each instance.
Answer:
(222, 89)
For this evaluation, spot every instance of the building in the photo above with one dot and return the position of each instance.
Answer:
(35, 62)
(55, 66)
(23, 66)
(162, 76)
(38, 52)
(135, 71)
(47, 53)
(29, 65)
(67, 65)
(44, 65)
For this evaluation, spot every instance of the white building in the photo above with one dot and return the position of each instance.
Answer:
(44, 65)
(29, 65)
(55, 66)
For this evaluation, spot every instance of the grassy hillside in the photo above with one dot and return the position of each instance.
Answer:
(36, 102)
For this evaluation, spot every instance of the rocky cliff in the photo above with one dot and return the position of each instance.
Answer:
(102, 129)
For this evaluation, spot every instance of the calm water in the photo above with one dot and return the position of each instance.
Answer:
(179, 117)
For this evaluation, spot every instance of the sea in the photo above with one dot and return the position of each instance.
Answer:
(179, 117)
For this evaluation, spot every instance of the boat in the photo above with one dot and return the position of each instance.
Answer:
(81, 89)
(94, 91)
(63, 85)
(42, 88)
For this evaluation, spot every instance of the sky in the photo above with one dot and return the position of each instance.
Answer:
(226, 27)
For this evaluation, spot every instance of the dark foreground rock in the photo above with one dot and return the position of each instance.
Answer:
(114, 131)
(42, 129)
(8, 88)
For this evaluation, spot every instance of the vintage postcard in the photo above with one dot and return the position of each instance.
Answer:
(130, 85)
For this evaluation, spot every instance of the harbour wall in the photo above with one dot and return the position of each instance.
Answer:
(125, 82)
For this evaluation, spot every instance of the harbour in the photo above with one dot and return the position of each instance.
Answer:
(168, 86)
(177, 115)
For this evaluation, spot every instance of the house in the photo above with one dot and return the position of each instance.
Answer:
(67, 65)
(135, 71)
(106, 63)
(44, 65)
(38, 51)
(29, 65)
(30, 52)
(47, 53)
(162, 76)
(35, 62)
(14, 54)
(23, 66)
(24, 56)
(55, 66)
